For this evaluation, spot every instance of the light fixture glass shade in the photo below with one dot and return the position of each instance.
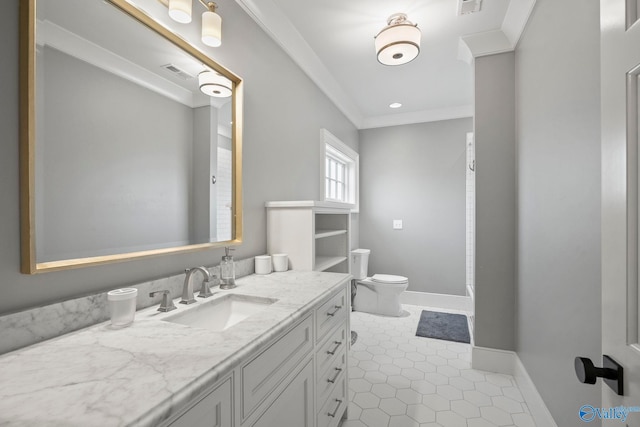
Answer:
(211, 29)
(180, 11)
(214, 84)
(399, 42)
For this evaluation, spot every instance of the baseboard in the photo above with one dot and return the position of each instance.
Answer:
(508, 362)
(427, 299)
(539, 410)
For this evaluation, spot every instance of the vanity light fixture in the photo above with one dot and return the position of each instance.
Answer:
(395, 105)
(211, 25)
(214, 84)
(180, 11)
(398, 42)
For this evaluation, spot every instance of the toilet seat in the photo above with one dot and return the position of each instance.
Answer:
(375, 281)
(389, 279)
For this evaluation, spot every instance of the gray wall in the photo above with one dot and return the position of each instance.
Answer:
(283, 112)
(558, 122)
(495, 201)
(205, 157)
(416, 173)
(107, 176)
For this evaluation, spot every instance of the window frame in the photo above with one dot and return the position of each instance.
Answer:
(332, 147)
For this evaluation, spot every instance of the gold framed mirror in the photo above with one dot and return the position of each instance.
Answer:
(123, 155)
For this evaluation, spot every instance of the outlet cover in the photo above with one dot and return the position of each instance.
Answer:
(397, 224)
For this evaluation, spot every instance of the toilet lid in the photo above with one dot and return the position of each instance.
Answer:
(389, 278)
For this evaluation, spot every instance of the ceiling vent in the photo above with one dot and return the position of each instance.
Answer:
(177, 72)
(466, 7)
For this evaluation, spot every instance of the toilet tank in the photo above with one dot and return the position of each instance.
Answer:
(359, 263)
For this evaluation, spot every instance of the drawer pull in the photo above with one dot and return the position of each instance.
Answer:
(335, 411)
(335, 310)
(337, 346)
(335, 377)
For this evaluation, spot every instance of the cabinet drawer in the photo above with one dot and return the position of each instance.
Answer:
(329, 350)
(214, 410)
(264, 372)
(293, 406)
(334, 407)
(329, 379)
(331, 313)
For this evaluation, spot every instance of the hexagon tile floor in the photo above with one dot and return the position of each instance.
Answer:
(399, 380)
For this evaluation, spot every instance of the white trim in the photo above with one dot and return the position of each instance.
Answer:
(539, 410)
(428, 299)
(433, 115)
(508, 362)
(516, 18)
(487, 43)
(470, 292)
(504, 39)
(327, 137)
(276, 24)
(50, 34)
(493, 360)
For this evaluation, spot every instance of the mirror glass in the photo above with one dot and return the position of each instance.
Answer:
(127, 157)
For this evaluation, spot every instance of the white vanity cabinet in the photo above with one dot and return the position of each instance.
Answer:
(265, 379)
(315, 235)
(332, 342)
(298, 379)
(293, 406)
(214, 409)
(310, 361)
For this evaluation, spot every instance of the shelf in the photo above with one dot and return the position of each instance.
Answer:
(325, 262)
(315, 235)
(320, 234)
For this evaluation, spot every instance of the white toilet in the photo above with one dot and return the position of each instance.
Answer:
(378, 294)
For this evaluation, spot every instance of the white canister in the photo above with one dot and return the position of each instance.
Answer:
(263, 264)
(122, 306)
(280, 262)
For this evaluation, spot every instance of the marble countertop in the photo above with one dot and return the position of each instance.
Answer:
(142, 374)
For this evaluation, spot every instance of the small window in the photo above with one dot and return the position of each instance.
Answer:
(339, 180)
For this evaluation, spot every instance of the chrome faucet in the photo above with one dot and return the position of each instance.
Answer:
(167, 303)
(187, 288)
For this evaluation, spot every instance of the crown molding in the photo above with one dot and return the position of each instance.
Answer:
(50, 34)
(433, 115)
(269, 17)
(502, 40)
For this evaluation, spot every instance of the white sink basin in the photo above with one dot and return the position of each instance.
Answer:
(221, 313)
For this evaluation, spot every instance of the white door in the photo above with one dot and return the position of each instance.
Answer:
(620, 53)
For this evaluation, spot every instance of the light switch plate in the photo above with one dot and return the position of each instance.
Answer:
(397, 224)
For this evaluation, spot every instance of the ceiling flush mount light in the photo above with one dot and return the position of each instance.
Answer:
(180, 11)
(214, 84)
(398, 42)
(211, 25)
(395, 105)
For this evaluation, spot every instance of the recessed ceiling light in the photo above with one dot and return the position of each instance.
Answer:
(395, 105)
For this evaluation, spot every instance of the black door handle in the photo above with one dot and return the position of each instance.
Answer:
(611, 372)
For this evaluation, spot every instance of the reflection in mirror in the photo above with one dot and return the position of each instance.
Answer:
(136, 149)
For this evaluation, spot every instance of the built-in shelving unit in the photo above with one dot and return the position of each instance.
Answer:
(315, 235)
(321, 234)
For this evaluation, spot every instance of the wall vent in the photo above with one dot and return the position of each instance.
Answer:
(466, 7)
(175, 71)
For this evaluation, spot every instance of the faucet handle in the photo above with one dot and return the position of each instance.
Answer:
(205, 290)
(167, 303)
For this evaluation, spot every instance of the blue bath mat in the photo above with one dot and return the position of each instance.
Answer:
(443, 326)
